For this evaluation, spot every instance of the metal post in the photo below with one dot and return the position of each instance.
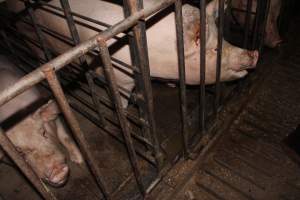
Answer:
(38, 30)
(258, 17)
(219, 55)
(202, 63)
(10, 149)
(116, 98)
(263, 29)
(247, 23)
(57, 90)
(139, 53)
(96, 102)
(181, 71)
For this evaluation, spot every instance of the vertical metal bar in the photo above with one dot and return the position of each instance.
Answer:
(263, 29)
(258, 17)
(71, 25)
(219, 55)
(116, 98)
(247, 23)
(75, 127)
(38, 31)
(10, 149)
(139, 52)
(202, 63)
(181, 71)
(96, 102)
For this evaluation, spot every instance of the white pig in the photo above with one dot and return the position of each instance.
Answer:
(161, 38)
(37, 135)
(272, 37)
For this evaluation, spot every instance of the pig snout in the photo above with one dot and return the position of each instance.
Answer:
(57, 175)
(252, 59)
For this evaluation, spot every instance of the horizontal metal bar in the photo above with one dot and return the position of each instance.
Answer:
(59, 62)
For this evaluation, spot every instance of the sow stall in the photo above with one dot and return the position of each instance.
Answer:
(98, 99)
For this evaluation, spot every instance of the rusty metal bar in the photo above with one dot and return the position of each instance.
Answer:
(59, 62)
(38, 31)
(116, 98)
(181, 71)
(247, 23)
(219, 56)
(10, 149)
(139, 52)
(75, 127)
(202, 63)
(263, 31)
(258, 17)
(96, 102)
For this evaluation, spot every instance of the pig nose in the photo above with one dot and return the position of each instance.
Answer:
(254, 57)
(57, 175)
(277, 43)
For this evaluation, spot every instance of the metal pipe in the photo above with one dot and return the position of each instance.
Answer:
(142, 80)
(263, 29)
(59, 62)
(247, 23)
(219, 56)
(258, 17)
(10, 149)
(181, 71)
(75, 127)
(38, 31)
(116, 98)
(202, 63)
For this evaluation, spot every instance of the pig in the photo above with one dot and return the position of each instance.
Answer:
(38, 135)
(272, 37)
(161, 38)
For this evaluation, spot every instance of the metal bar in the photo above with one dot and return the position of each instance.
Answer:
(10, 149)
(62, 60)
(263, 31)
(219, 56)
(142, 80)
(259, 12)
(247, 23)
(181, 71)
(38, 30)
(91, 84)
(75, 127)
(116, 98)
(202, 63)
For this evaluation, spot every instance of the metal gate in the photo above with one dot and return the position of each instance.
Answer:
(145, 144)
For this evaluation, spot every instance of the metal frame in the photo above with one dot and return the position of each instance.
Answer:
(135, 24)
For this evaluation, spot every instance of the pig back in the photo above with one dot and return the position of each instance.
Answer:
(10, 74)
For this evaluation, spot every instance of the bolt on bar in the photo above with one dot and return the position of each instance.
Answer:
(116, 98)
(247, 23)
(202, 63)
(38, 30)
(75, 127)
(139, 48)
(10, 149)
(181, 71)
(219, 56)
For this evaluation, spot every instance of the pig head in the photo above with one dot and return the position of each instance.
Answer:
(40, 137)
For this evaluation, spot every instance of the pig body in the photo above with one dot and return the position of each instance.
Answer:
(37, 135)
(272, 37)
(161, 38)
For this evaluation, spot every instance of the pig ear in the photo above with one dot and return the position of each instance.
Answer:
(49, 111)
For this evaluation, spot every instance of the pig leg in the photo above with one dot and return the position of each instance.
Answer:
(68, 142)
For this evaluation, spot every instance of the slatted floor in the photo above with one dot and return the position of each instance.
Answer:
(248, 162)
